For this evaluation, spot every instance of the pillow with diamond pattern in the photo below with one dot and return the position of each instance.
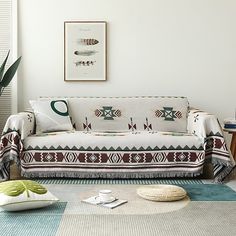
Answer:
(18, 195)
(51, 115)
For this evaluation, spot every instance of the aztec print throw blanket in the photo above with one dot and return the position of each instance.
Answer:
(105, 155)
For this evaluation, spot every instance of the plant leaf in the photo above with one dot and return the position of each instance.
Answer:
(17, 187)
(12, 188)
(34, 187)
(2, 68)
(10, 73)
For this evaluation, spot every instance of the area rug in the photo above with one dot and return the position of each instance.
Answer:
(209, 209)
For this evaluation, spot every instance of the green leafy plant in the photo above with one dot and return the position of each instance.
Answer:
(17, 187)
(5, 78)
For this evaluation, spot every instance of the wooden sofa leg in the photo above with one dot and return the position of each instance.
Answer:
(14, 172)
(208, 171)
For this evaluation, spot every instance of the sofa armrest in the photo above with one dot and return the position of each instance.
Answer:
(203, 124)
(16, 129)
(23, 123)
(207, 127)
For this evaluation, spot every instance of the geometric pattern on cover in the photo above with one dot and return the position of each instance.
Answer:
(87, 126)
(167, 157)
(11, 147)
(17, 128)
(107, 113)
(168, 113)
(207, 127)
(102, 164)
(147, 126)
(131, 125)
(160, 161)
(112, 157)
(63, 156)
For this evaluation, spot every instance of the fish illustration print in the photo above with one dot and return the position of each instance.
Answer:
(88, 42)
(85, 63)
(85, 53)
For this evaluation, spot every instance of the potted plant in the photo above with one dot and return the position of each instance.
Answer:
(5, 78)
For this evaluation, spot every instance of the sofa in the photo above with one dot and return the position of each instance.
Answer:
(115, 137)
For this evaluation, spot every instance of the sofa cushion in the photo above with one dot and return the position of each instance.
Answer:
(130, 113)
(124, 154)
(78, 140)
(51, 115)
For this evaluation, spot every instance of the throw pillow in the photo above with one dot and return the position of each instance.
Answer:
(17, 195)
(51, 115)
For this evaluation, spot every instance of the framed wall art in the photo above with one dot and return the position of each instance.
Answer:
(85, 45)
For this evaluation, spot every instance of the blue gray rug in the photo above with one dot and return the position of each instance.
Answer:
(36, 222)
(209, 209)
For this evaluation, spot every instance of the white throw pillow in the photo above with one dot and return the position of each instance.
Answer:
(18, 195)
(51, 115)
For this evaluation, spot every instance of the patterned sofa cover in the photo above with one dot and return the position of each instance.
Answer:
(127, 137)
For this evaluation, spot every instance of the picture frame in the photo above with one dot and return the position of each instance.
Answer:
(85, 50)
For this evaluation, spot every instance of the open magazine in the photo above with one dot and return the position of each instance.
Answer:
(112, 204)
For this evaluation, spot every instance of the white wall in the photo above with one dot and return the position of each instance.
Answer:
(155, 47)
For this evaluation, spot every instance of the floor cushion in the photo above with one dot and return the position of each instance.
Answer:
(17, 195)
(162, 193)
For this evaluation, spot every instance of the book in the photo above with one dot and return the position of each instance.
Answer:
(96, 201)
